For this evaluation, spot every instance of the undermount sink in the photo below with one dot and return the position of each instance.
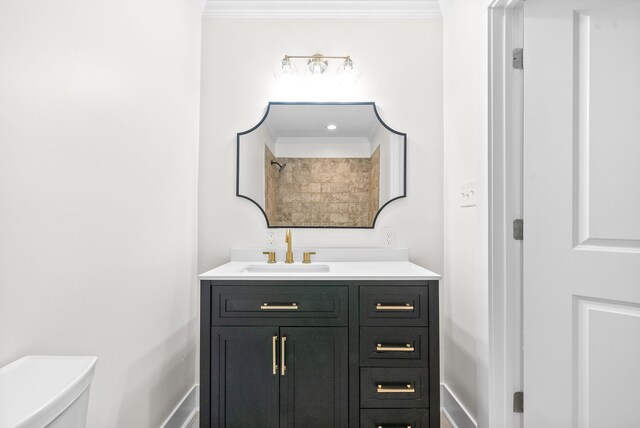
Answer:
(285, 268)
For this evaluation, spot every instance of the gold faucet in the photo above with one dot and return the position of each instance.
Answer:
(287, 239)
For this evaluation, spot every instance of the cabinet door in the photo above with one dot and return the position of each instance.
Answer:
(244, 388)
(314, 386)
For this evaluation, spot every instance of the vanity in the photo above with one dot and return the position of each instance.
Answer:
(327, 344)
(320, 338)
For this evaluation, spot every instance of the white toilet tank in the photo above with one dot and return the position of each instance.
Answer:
(40, 391)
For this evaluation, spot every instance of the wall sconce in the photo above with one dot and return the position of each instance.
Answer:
(316, 67)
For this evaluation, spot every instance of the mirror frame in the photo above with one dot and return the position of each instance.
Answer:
(266, 114)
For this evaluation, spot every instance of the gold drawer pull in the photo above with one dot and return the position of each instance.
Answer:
(383, 389)
(286, 307)
(274, 341)
(383, 307)
(283, 352)
(383, 348)
(393, 426)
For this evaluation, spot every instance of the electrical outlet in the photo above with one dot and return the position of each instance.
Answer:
(387, 236)
(271, 238)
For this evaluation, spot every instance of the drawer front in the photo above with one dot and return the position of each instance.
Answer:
(394, 387)
(279, 305)
(394, 306)
(394, 418)
(394, 346)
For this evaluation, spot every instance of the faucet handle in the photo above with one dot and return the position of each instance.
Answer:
(306, 256)
(272, 256)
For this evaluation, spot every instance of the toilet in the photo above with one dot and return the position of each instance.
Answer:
(45, 391)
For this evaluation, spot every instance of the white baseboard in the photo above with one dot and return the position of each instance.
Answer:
(186, 410)
(454, 411)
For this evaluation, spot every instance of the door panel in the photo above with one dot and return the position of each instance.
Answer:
(314, 388)
(244, 390)
(607, 356)
(608, 130)
(582, 213)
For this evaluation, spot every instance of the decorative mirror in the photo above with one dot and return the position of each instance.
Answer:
(313, 165)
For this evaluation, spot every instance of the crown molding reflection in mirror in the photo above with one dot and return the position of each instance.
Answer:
(321, 165)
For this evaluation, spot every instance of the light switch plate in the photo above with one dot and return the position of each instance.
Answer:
(467, 195)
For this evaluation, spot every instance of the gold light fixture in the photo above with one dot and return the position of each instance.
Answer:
(316, 67)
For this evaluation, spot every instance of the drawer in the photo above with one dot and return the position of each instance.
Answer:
(394, 346)
(394, 418)
(279, 305)
(394, 387)
(394, 306)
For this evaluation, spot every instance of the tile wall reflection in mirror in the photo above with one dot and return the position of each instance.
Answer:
(321, 165)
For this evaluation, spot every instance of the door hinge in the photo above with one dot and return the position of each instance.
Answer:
(518, 59)
(518, 402)
(518, 229)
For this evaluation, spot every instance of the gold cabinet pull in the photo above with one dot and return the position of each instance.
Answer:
(394, 389)
(393, 426)
(385, 348)
(274, 344)
(383, 307)
(282, 353)
(280, 307)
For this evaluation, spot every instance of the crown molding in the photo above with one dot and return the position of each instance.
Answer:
(445, 6)
(322, 9)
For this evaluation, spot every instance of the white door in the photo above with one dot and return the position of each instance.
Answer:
(582, 214)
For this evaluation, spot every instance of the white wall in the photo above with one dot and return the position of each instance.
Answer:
(462, 136)
(252, 147)
(98, 174)
(382, 139)
(269, 141)
(396, 165)
(238, 82)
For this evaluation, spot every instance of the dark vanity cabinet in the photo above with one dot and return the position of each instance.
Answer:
(319, 354)
(243, 389)
(309, 388)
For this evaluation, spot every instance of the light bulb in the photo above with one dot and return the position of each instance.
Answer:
(348, 73)
(285, 70)
(316, 66)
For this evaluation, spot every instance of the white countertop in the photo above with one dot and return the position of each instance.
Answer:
(337, 271)
(396, 269)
